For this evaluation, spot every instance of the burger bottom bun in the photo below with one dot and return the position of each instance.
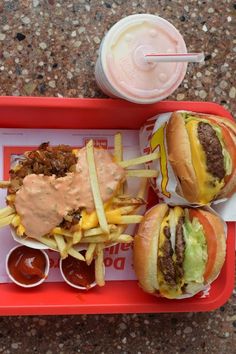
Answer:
(201, 288)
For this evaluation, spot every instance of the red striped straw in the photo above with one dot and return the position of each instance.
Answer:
(174, 57)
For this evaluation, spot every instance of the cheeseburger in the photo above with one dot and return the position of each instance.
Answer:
(202, 153)
(178, 251)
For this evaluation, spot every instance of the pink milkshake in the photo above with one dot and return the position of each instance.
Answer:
(121, 69)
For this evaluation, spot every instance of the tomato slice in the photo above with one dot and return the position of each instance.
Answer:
(212, 119)
(231, 149)
(211, 240)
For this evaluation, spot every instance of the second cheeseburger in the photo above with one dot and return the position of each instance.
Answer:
(202, 153)
(178, 251)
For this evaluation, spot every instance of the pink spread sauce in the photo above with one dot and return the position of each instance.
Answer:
(43, 201)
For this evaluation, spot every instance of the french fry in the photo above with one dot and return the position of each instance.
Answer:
(6, 211)
(5, 184)
(20, 230)
(123, 238)
(77, 237)
(69, 242)
(96, 239)
(16, 221)
(143, 188)
(120, 229)
(118, 149)
(99, 266)
(51, 243)
(125, 219)
(6, 220)
(93, 232)
(142, 173)
(89, 253)
(60, 231)
(76, 254)
(124, 210)
(98, 231)
(118, 154)
(140, 160)
(127, 200)
(61, 245)
(95, 188)
(131, 219)
(115, 216)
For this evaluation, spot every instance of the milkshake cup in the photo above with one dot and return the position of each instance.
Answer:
(121, 69)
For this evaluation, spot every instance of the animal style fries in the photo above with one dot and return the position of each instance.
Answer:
(83, 202)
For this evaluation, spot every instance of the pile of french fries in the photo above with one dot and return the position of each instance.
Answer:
(101, 228)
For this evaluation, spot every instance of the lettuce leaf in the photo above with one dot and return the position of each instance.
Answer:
(195, 251)
(227, 158)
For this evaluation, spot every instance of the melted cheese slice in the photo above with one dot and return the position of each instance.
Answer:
(178, 211)
(90, 220)
(208, 186)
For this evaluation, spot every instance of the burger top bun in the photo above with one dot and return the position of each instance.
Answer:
(146, 246)
(180, 157)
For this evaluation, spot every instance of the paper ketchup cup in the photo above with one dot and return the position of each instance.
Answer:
(121, 70)
(27, 267)
(77, 273)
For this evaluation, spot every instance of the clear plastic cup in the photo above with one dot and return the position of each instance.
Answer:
(121, 70)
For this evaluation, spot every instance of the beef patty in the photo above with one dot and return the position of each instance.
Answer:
(179, 248)
(172, 270)
(165, 262)
(213, 150)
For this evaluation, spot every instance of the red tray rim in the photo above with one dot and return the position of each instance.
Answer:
(10, 102)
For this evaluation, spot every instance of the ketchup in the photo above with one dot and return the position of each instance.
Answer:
(27, 265)
(78, 272)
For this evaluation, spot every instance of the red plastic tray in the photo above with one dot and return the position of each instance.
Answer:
(118, 296)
